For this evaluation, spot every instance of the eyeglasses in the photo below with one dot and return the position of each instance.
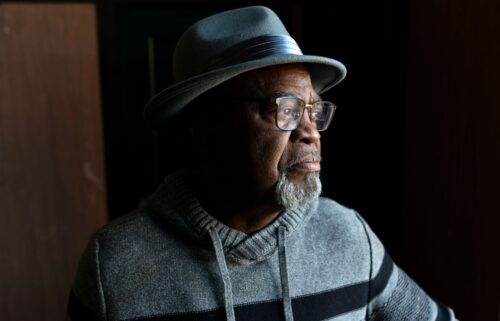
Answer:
(290, 110)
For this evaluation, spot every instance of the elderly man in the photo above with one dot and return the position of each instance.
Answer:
(241, 233)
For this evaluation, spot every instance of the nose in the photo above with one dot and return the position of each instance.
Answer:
(306, 132)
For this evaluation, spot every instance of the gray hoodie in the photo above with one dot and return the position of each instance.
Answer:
(171, 260)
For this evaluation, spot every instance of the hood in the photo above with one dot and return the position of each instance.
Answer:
(175, 204)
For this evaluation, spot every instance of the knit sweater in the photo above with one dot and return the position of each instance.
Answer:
(171, 260)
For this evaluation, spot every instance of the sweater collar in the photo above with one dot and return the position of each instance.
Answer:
(176, 201)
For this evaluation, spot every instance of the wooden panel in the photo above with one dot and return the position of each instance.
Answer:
(453, 154)
(52, 187)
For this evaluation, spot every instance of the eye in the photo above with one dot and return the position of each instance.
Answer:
(290, 113)
(316, 111)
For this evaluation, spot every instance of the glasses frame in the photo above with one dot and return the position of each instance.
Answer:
(309, 107)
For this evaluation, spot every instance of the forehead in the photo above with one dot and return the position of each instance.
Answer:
(290, 79)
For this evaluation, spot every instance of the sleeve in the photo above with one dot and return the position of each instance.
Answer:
(86, 300)
(393, 295)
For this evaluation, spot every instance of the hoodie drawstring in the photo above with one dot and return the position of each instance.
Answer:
(285, 287)
(226, 279)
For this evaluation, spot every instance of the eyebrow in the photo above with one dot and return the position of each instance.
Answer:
(277, 94)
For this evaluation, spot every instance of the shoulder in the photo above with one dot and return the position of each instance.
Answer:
(106, 248)
(327, 204)
(340, 224)
(340, 231)
(338, 219)
(125, 226)
(129, 236)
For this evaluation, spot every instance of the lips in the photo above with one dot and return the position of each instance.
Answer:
(307, 165)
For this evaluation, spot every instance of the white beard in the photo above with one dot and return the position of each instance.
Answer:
(292, 195)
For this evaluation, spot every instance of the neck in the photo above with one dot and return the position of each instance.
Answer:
(236, 207)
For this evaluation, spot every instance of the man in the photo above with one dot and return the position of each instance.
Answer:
(241, 233)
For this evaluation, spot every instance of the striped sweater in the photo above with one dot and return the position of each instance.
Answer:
(171, 260)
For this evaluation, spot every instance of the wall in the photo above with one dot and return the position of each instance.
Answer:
(452, 171)
(52, 187)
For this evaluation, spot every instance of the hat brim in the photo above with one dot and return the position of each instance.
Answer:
(325, 74)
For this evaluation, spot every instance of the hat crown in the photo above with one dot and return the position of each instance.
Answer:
(201, 45)
(226, 45)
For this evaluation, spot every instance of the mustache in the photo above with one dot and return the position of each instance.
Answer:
(301, 156)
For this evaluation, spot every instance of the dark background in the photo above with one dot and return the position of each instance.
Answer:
(414, 146)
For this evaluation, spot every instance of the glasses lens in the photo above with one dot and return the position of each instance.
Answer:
(290, 109)
(289, 112)
(322, 113)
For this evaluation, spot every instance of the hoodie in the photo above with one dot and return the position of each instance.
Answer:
(172, 260)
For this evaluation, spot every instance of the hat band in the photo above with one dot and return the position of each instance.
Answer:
(256, 48)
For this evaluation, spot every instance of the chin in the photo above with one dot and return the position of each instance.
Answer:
(293, 191)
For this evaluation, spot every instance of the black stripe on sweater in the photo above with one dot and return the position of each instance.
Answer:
(313, 307)
(329, 304)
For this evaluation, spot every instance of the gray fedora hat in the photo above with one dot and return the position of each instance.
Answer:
(225, 45)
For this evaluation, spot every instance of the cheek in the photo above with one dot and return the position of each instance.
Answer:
(266, 145)
(268, 149)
